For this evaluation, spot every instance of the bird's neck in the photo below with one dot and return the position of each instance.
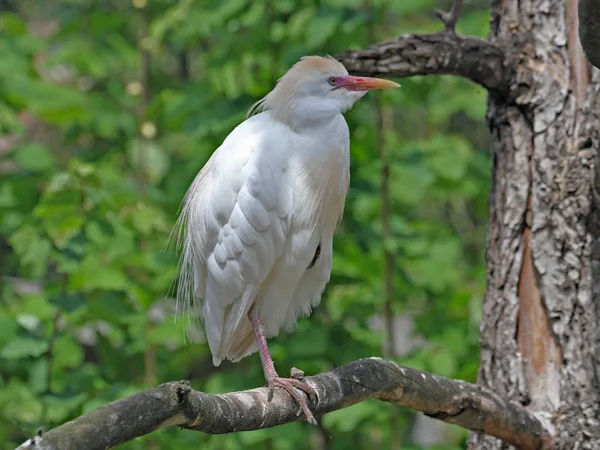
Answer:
(300, 114)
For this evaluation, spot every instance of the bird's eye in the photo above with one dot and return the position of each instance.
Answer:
(332, 81)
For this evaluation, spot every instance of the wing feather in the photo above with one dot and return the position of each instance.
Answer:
(236, 218)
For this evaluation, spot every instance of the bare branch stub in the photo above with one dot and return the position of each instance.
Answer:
(176, 404)
(450, 18)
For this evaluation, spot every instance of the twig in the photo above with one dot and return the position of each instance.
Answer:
(451, 17)
(176, 404)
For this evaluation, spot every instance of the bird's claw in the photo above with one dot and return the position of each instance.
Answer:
(290, 385)
(304, 387)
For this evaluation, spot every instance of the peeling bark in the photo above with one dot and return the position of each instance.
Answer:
(580, 71)
(535, 341)
(176, 404)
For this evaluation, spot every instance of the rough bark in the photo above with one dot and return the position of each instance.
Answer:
(539, 328)
(442, 53)
(176, 404)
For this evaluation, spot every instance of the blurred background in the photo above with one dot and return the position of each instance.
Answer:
(109, 108)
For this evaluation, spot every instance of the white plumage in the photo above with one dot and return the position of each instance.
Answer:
(258, 221)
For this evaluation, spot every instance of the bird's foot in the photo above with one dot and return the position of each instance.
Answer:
(290, 385)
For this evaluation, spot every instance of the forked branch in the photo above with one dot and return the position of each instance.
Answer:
(176, 404)
(451, 17)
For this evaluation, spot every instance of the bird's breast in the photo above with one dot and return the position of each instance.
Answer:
(320, 176)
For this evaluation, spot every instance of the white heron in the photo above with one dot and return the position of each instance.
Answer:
(258, 221)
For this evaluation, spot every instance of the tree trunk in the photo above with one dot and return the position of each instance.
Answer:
(540, 320)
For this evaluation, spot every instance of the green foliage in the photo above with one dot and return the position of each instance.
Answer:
(106, 115)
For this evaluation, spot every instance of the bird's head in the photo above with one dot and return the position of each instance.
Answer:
(316, 89)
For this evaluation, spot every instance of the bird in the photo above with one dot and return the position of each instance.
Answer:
(257, 223)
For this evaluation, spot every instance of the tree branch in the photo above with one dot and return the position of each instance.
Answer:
(451, 17)
(589, 30)
(176, 404)
(441, 53)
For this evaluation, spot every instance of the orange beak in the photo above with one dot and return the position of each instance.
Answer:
(364, 83)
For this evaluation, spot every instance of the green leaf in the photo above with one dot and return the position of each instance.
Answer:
(439, 268)
(109, 307)
(410, 183)
(299, 20)
(28, 321)
(443, 363)
(348, 419)
(308, 343)
(19, 402)
(451, 163)
(23, 347)
(94, 274)
(278, 31)
(168, 333)
(34, 157)
(66, 353)
(39, 306)
(63, 229)
(32, 248)
(51, 102)
(320, 29)
(149, 158)
(58, 409)
(38, 375)
(61, 209)
(8, 329)
(12, 24)
(7, 196)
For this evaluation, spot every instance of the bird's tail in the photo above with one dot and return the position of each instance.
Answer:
(237, 338)
(239, 345)
(244, 343)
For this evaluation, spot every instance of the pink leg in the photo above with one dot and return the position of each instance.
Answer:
(273, 379)
(263, 349)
